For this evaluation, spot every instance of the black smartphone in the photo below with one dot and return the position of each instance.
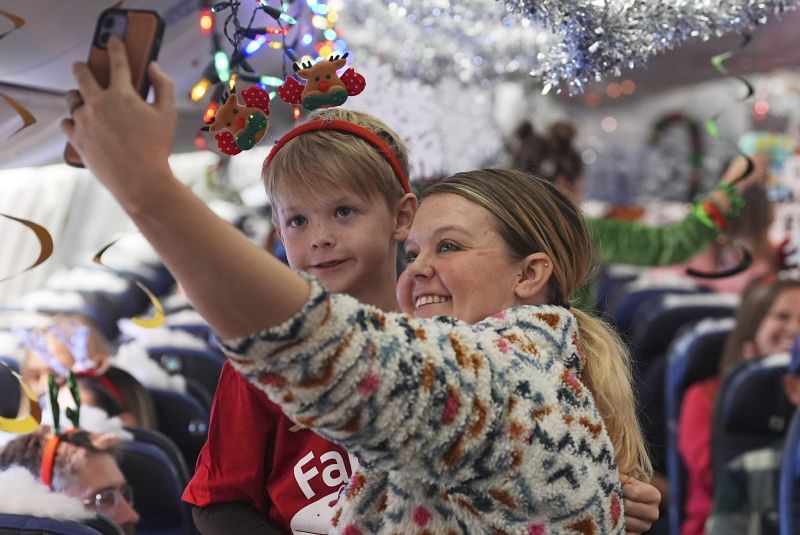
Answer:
(141, 31)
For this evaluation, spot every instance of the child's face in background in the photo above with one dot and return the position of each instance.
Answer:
(781, 324)
(346, 240)
(35, 370)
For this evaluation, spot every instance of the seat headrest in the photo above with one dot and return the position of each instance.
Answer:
(752, 398)
(695, 354)
(658, 324)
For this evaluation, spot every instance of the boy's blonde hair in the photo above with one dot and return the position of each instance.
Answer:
(330, 159)
(532, 215)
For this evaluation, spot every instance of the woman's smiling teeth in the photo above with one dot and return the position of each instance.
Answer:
(431, 300)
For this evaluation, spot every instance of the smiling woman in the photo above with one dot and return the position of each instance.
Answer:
(418, 399)
(452, 254)
(488, 240)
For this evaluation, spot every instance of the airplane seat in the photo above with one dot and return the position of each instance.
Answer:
(201, 365)
(11, 362)
(36, 525)
(658, 323)
(789, 487)
(627, 303)
(612, 278)
(166, 445)
(155, 276)
(158, 486)
(751, 410)
(184, 419)
(693, 357)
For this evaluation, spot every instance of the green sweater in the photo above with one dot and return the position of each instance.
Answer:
(626, 242)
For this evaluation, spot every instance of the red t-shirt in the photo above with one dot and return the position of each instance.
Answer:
(251, 456)
(694, 446)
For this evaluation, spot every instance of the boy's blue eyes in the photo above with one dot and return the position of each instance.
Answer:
(341, 211)
(344, 211)
(297, 221)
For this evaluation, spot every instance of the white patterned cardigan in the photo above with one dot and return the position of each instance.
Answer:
(459, 428)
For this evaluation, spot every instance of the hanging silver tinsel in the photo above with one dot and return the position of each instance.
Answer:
(601, 37)
(470, 41)
(576, 41)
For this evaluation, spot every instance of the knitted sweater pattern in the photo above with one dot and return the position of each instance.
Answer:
(460, 428)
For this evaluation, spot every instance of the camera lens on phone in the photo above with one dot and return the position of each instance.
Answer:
(108, 23)
(104, 38)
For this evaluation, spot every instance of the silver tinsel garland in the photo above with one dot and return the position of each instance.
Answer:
(599, 38)
(471, 41)
(577, 41)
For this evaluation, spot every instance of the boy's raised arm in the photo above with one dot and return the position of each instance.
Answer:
(237, 287)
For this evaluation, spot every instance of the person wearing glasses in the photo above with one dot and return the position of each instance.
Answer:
(79, 464)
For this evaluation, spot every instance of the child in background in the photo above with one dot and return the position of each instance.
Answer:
(73, 343)
(69, 341)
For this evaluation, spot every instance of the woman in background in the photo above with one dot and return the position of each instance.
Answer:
(767, 321)
(554, 157)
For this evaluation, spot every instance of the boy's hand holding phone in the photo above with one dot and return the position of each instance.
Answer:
(141, 31)
(121, 137)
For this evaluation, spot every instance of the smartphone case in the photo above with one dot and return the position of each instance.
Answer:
(142, 38)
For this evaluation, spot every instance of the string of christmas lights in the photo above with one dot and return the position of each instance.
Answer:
(299, 31)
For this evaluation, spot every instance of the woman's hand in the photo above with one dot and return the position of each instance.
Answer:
(122, 139)
(641, 504)
(734, 171)
(739, 166)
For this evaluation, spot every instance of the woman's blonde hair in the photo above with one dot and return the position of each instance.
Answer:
(532, 216)
(331, 159)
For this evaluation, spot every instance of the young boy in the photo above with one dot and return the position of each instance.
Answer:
(341, 205)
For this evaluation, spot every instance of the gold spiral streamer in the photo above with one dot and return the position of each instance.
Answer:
(45, 243)
(158, 318)
(23, 424)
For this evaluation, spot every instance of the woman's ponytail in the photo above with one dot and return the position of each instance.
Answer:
(607, 373)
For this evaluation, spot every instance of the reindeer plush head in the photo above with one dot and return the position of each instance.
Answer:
(323, 88)
(241, 127)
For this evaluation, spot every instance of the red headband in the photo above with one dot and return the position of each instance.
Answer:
(343, 126)
(109, 385)
(49, 459)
